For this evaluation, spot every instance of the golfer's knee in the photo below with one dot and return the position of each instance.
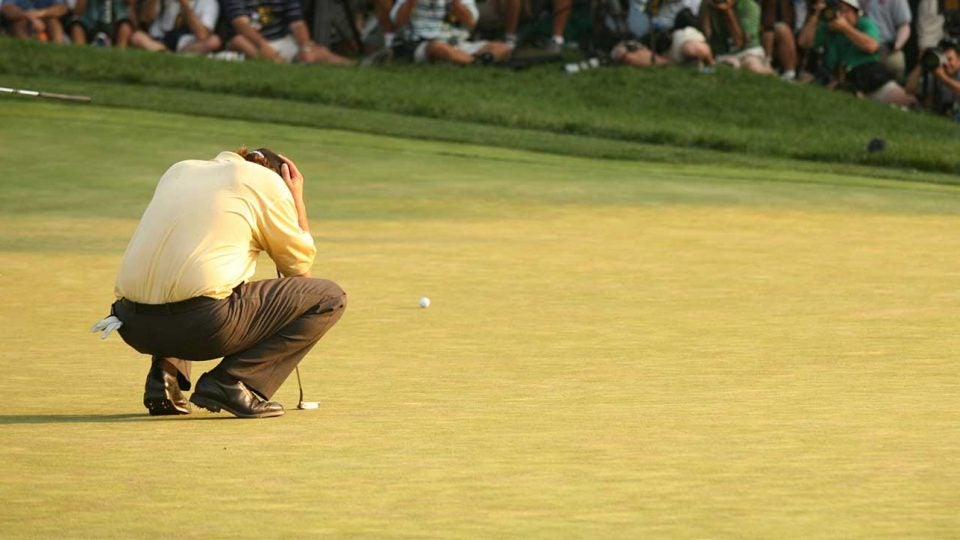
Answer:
(332, 297)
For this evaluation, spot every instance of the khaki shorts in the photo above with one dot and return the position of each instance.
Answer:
(736, 59)
(287, 47)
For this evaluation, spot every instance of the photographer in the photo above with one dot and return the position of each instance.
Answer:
(851, 51)
(939, 84)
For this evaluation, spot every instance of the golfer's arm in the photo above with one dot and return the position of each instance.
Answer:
(302, 220)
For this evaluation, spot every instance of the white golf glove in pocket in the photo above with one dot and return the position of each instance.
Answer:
(107, 325)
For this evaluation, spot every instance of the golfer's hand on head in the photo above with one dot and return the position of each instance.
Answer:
(292, 178)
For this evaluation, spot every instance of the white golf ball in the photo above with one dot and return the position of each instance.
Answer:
(424, 302)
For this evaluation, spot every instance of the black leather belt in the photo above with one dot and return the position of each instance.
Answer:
(166, 309)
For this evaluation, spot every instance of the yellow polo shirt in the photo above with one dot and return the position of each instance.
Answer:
(204, 229)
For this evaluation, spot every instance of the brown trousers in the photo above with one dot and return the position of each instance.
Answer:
(261, 331)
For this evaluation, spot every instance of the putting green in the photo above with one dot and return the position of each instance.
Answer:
(613, 349)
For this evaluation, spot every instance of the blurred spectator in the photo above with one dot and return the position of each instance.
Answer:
(731, 28)
(662, 32)
(851, 51)
(179, 26)
(440, 31)
(512, 11)
(103, 22)
(39, 19)
(381, 9)
(777, 27)
(274, 30)
(893, 20)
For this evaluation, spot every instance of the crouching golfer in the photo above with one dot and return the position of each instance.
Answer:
(183, 293)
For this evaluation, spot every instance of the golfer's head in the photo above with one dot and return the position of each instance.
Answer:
(262, 156)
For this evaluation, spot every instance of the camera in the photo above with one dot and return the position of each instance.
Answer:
(935, 57)
(830, 10)
(932, 58)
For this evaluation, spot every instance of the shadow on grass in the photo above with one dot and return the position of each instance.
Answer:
(11, 419)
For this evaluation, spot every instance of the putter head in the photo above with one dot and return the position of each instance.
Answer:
(308, 405)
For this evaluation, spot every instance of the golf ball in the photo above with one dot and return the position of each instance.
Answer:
(424, 302)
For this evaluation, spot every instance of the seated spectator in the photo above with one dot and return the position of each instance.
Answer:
(777, 26)
(440, 30)
(851, 51)
(39, 19)
(731, 28)
(179, 26)
(664, 33)
(893, 18)
(102, 22)
(274, 30)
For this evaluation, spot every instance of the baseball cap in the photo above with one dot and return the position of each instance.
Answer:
(855, 4)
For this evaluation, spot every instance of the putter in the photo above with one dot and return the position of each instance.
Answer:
(302, 405)
(49, 95)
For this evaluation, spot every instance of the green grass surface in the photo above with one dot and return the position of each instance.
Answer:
(609, 111)
(615, 349)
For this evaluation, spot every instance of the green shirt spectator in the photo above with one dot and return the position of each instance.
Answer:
(840, 51)
(722, 40)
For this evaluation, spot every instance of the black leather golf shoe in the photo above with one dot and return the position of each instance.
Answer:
(161, 394)
(235, 398)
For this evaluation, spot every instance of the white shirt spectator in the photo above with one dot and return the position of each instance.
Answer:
(428, 21)
(889, 16)
(169, 18)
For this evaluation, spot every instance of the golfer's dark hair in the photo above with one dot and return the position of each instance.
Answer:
(262, 156)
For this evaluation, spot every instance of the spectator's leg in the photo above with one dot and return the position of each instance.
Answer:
(323, 55)
(509, 11)
(244, 46)
(641, 57)
(123, 34)
(499, 49)
(141, 40)
(54, 30)
(441, 51)
(561, 14)
(786, 49)
(756, 64)
(894, 94)
(278, 321)
(78, 34)
(767, 41)
(19, 25)
(381, 9)
(203, 46)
